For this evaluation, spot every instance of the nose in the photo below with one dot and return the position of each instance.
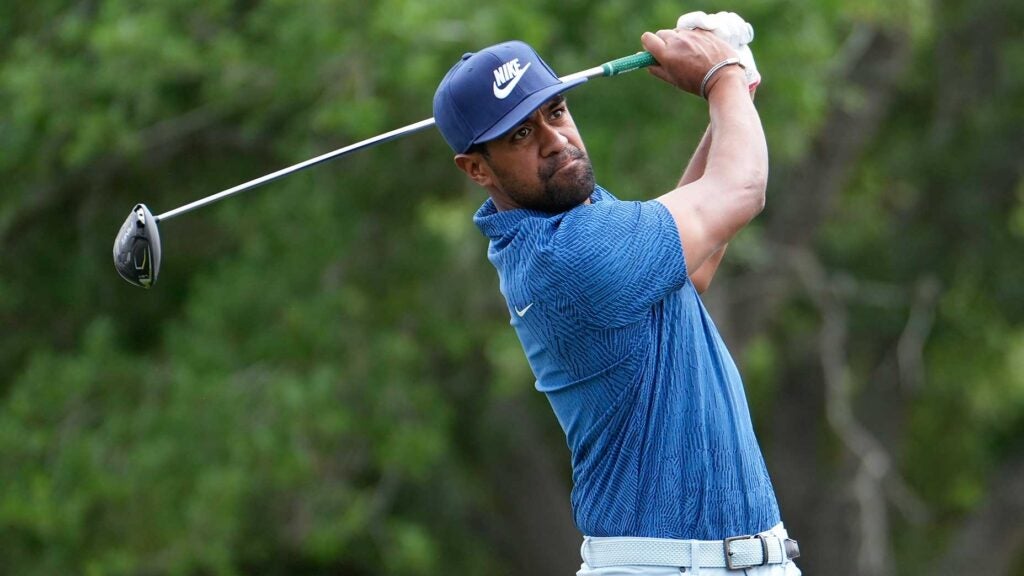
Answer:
(552, 141)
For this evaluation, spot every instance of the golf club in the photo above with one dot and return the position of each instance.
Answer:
(137, 245)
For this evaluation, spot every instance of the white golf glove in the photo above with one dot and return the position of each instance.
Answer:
(733, 30)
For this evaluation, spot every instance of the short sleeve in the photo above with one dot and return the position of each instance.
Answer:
(618, 259)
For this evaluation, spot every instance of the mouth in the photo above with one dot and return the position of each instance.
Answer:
(565, 165)
(568, 158)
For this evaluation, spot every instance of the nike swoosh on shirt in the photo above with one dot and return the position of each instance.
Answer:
(523, 312)
(502, 93)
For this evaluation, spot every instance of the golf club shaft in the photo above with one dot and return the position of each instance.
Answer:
(415, 127)
(611, 68)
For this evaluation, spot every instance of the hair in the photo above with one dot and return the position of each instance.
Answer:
(481, 148)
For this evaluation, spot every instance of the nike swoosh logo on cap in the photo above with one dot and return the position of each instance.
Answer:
(502, 93)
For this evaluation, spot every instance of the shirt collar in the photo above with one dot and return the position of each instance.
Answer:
(495, 224)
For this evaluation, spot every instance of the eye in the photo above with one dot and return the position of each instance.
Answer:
(521, 133)
(558, 112)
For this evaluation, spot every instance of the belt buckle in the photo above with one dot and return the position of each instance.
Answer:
(728, 553)
(792, 548)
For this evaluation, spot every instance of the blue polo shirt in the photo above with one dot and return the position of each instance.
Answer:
(650, 400)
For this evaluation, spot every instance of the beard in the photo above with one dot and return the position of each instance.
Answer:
(562, 187)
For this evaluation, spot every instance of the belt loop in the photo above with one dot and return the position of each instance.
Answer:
(583, 549)
(695, 557)
(781, 534)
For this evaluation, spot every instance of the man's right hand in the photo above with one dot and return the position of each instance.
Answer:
(685, 56)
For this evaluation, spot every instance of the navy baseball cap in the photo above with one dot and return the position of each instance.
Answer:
(490, 92)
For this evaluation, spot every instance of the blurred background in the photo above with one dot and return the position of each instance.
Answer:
(324, 380)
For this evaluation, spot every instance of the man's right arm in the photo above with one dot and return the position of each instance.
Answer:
(711, 210)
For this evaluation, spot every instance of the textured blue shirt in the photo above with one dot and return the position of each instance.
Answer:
(650, 400)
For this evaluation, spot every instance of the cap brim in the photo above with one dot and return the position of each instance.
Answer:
(515, 116)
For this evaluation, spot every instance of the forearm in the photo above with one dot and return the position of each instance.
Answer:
(695, 168)
(737, 159)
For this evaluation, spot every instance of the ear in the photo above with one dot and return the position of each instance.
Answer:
(476, 168)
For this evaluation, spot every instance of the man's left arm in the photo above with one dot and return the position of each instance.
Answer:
(702, 276)
(732, 29)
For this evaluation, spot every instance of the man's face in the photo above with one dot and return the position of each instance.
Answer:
(540, 164)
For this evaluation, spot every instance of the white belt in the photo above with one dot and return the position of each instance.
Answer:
(732, 553)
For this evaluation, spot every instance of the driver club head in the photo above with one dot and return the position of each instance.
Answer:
(137, 248)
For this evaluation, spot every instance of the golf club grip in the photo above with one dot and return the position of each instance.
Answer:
(628, 63)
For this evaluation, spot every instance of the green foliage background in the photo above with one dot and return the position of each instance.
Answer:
(315, 384)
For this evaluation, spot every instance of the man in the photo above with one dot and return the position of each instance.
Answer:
(603, 295)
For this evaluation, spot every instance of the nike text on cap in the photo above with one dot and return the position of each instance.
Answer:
(488, 93)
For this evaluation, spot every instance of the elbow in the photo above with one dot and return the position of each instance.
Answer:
(748, 188)
(760, 199)
(755, 188)
(701, 279)
(701, 284)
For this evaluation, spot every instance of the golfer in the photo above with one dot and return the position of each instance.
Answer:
(604, 296)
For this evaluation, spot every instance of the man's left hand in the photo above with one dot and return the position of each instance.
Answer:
(731, 28)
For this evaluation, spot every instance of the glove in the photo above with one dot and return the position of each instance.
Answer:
(733, 30)
(726, 25)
